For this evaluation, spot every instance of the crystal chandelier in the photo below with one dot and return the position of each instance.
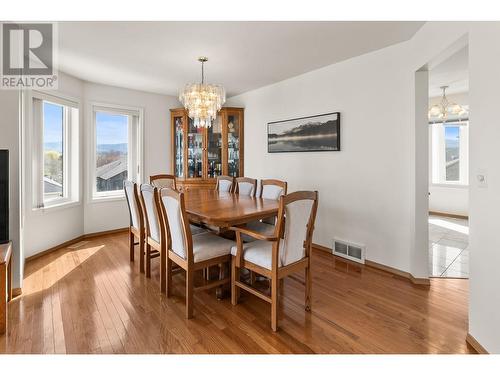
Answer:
(202, 100)
(441, 111)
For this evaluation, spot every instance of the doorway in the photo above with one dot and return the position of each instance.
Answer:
(448, 251)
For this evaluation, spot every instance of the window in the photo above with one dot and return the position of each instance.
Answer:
(450, 164)
(116, 150)
(55, 151)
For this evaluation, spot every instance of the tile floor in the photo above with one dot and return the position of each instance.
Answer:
(448, 247)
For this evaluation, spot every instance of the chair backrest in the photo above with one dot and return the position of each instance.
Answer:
(296, 218)
(272, 189)
(179, 238)
(224, 183)
(134, 205)
(148, 200)
(163, 181)
(245, 186)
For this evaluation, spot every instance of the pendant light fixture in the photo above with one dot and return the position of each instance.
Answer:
(202, 100)
(440, 112)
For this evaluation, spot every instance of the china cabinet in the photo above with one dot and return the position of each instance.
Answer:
(201, 154)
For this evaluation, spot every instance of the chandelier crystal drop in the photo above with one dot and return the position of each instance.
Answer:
(440, 112)
(202, 100)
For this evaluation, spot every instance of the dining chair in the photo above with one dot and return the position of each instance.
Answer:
(163, 180)
(224, 183)
(136, 227)
(269, 189)
(245, 186)
(275, 256)
(155, 239)
(191, 253)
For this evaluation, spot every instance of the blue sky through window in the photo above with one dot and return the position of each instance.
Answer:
(52, 126)
(111, 128)
(451, 133)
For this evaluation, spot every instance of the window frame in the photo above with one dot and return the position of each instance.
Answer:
(71, 150)
(438, 159)
(135, 152)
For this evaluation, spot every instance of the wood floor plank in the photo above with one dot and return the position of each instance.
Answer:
(91, 299)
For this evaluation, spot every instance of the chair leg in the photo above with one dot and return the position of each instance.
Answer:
(219, 292)
(163, 271)
(168, 278)
(308, 288)
(141, 254)
(148, 260)
(189, 293)
(235, 291)
(131, 244)
(274, 302)
(252, 278)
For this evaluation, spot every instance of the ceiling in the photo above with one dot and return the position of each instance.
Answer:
(162, 57)
(453, 72)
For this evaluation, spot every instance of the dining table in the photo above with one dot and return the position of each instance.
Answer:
(224, 209)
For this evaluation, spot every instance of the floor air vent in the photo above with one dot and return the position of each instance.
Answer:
(349, 250)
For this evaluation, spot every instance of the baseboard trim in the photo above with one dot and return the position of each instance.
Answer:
(382, 267)
(323, 248)
(75, 240)
(54, 248)
(475, 344)
(105, 233)
(455, 216)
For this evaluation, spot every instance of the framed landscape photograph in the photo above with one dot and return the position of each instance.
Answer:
(313, 133)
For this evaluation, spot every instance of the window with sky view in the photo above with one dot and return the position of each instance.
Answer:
(452, 148)
(111, 151)
(53, 148)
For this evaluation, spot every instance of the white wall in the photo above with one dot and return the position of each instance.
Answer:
(9, 139)
(484, 318)
(448, 199)
(364, 189)
(102, 216)
(50, 227)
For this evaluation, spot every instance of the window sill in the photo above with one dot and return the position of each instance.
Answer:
(453, 186)
(56, 207)
(109, 198)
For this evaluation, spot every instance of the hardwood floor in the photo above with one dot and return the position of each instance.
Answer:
(90, 299)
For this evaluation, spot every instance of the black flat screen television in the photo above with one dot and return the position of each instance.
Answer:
(4, 196)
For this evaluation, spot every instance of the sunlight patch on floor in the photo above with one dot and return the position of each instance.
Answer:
(48, 275)
(449, 225)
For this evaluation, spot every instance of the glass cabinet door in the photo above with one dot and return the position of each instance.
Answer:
(179, 146)
(194, 151)
(214, 148)
(233, 144)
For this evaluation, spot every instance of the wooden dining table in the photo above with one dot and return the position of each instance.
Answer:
(223, 209)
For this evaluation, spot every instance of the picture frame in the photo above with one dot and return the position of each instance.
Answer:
(305, 134)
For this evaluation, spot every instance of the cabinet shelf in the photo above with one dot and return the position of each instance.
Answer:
(200, 154)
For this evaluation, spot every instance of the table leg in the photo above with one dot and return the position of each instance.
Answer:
(9, 279)
(3, 301)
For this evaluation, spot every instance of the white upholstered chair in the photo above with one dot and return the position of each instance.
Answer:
(161, 181)
(269, 189)
(245, 186)
(191, 253)
(155, 236)
(224, 184)
(136, 227)
(287, 250)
